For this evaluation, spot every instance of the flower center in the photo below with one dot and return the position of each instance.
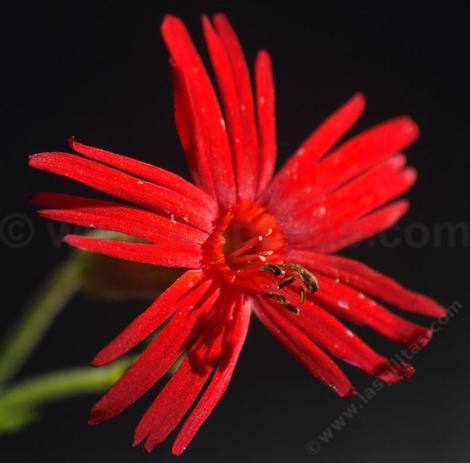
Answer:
(244, 239)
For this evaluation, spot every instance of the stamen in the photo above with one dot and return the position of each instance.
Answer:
(286, 281)
(270, 252)
(277, 270)
(248, 259)
(283, 301)
(246, 246)
(305, 276)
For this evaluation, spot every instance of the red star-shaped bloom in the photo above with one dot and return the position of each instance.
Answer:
(250, 242)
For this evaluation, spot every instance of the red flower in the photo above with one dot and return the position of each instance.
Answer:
(251, 242)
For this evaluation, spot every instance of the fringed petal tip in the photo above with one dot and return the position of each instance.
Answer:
(420, 339)
(96, 416)
(176, 451)
(168, 18)
(434, 309)
(35, 160)
(346, 393)
(99, 412)
(98, 361)
(72, 240)
(388, 372)
(409, 128)
(439, 310)
(149, 447)
(357, 103)
(392, 372)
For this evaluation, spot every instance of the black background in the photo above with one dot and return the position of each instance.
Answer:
(100, 71)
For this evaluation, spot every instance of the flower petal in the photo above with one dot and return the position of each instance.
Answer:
(205, 108)
(312, 357)
(330, 334)
(124, 186)
(155, 361)
(175, 399)
(182, 255)
(149, 320)
(369, 281)
(190, 132)
(107, 215)
(357, 308)
(303, 163)
(170, 406)
(359, 230)
(148, 172)
(220, 379)
(241, 74)
(349, 160)
(244, 158)
(381, 184)
(364, 151)
(266, 111)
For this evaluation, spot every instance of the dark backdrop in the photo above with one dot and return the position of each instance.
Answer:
(100, 72)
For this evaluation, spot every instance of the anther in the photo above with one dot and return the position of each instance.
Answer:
(307, 277)
(286, 281)
(277, 270)
(283, 301)
(310, 283)
(270, 252)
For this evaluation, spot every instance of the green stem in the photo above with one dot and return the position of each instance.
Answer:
(66, 383)
(18, 403)
(38, 316)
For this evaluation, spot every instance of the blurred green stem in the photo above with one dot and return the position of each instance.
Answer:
(58, 385)
(19, 402)
(38, 316)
